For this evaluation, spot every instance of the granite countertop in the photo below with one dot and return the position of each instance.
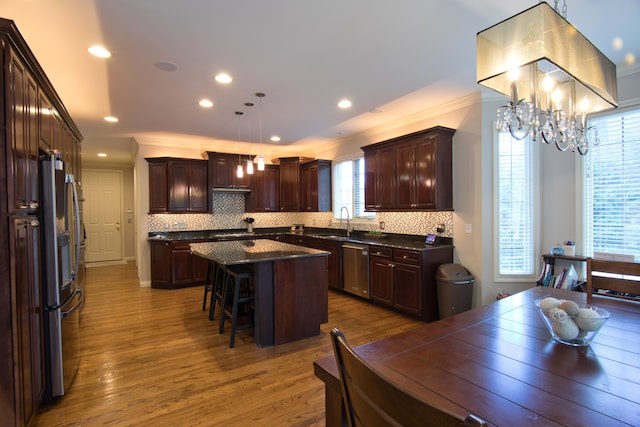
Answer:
(400, 241)
(252, 251)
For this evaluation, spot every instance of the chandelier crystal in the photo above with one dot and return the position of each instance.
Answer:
(553, 75)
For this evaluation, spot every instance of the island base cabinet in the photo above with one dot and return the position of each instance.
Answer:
(291, 300)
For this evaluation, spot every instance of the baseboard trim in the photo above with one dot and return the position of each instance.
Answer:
(105, 263)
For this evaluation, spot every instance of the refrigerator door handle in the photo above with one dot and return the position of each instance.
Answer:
(75, 307)
(76, 223)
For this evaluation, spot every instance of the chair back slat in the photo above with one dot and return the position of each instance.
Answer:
(370, 400)
(621, 285)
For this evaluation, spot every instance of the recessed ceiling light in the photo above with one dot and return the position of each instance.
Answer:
(345, 103)
(275, 138)
(223, 78)
(111, 119)
(102, 155)
(205, 103)
(99, 51)
(166, 66)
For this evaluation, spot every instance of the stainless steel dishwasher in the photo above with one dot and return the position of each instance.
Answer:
(355, 264)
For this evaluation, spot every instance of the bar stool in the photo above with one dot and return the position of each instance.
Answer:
(215, 287)
(213, 282)
(237, 295)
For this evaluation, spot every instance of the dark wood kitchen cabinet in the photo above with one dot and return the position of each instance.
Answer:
(290, 184)
(405, 279)
(27, 127)
(160, 264)
(265, 190)
(25, 245)
(188, 189)
(315, 182)
(305, 187)
(174, 266)
(380, 176)
(178, 185)
(223, 170)
(411, 172)
(23, 91)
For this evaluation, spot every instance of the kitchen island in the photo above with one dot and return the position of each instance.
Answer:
(290, 285)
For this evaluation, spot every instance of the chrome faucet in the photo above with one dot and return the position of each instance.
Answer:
(348, 226)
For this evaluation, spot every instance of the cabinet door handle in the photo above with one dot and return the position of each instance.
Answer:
(33, 204)
(35, 223)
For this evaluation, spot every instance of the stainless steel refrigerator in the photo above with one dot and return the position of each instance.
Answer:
(62, 274)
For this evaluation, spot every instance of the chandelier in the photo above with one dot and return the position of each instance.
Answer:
(553, 75)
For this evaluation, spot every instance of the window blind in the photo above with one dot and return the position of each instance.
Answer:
(515, 207)
(612, 185)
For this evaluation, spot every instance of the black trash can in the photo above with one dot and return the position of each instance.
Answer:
(455, 289)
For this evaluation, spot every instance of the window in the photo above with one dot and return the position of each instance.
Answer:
(348, 189)
(515, 206)
(612, 185)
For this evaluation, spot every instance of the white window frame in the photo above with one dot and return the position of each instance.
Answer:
(337, 205)
(532, 154)
(584, 216)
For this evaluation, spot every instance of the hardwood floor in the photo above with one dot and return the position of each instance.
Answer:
(152, 357)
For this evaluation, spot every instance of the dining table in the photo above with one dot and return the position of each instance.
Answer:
(500, 363)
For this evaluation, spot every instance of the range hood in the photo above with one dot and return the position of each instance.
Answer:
(231, 190)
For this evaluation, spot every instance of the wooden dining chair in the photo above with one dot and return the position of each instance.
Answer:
(372, 401)
(622, 287)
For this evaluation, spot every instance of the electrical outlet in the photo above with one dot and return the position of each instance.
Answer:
(441, 228)
(381, 224)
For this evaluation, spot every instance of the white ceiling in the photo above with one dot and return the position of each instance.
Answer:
(390, 58)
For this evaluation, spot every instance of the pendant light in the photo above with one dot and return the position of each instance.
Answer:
(249, 160)
(260, 95)
(553, 75)
(239, 170)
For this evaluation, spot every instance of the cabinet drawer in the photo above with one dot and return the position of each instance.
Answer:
(406, 257)
(181, 246)
(380, 252)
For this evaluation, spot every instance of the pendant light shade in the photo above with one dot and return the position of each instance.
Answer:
(553, 75)
(260, 95)
(239, 170)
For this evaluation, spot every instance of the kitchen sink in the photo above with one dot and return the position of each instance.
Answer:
(336, 237)
(230, 235)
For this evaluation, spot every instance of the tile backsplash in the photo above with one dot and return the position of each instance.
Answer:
(228, 213)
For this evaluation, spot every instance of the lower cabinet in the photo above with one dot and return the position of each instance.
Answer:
(27, 343)
(174, 266)
(334, 261)
(405, 280)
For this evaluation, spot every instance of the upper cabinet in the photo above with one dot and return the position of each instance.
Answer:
(315, 182)
(290, 184)
(265, 190)
(411, 172)
(178, 185)
(222, 170)
(305, 187)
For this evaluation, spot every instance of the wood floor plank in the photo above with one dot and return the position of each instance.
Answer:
(152, 357)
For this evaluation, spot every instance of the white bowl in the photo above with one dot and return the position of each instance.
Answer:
(571, 324)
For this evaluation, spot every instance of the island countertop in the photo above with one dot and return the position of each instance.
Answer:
(252, 251)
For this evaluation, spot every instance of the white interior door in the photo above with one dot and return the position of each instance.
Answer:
(102, 212)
